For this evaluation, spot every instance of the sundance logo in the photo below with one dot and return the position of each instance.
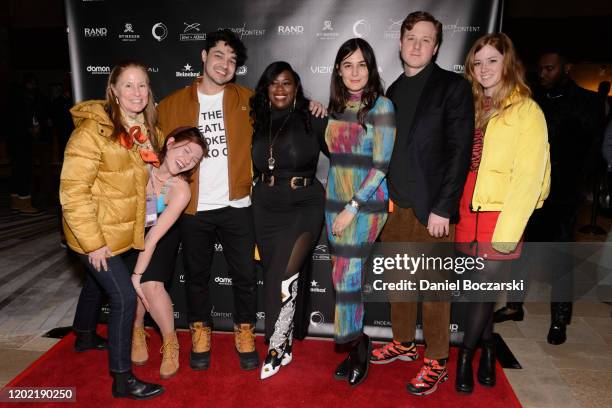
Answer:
(223, 281)
(290, 30)
(98, 69)
(96, 32)
(315, 288)
(188, 72)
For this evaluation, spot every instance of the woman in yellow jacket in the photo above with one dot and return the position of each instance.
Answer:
(509, 178)
(102, 192)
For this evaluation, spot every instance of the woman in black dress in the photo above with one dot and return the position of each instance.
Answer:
(288, 201)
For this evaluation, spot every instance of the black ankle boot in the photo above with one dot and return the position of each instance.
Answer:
(89, 341)
(125, 385)
(464, 381)
(486, 367)
(342, 370)
(512, 311)
(561, 316)
(359, 361)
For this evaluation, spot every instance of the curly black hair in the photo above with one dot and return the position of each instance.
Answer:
(231, 39)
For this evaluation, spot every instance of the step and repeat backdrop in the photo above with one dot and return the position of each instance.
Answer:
(168, 37)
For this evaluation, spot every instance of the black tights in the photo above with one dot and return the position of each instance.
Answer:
(479, 323)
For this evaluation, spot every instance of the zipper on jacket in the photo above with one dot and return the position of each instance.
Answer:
(474, 242)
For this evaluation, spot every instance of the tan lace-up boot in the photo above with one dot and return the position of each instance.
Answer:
(140, 349)
(244, 334)
(199, 358)
(170, 357)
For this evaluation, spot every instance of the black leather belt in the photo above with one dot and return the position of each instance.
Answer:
(293, 182)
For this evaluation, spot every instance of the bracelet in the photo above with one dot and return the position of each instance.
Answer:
(139, 274)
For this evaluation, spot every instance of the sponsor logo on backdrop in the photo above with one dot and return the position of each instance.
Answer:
(182, 278)
(95, 32)
(321, 252)
(98, 69)
(290, 30)
(260, 283)
(315, 288)
(385, 323)
(321, 69)
(191, 32)
(177, 315)
(327, 31)
(218, 247)
(128, 34)
(223, 281)
(393, 30)
(105, 309)
(317, 318)
(260, 315)
(460, 68)
(153, 70)
(453, 327)
(242, 70)
(159, 31)
(226, 315)
(458, 28)
(361, 28)
(245, 31)
(188, 72)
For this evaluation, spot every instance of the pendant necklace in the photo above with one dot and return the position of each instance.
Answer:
(271, 160)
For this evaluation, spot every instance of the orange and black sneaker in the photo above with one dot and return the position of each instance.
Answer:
(393, 351)
(431, 374)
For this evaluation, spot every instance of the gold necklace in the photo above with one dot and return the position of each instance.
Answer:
(271, 160)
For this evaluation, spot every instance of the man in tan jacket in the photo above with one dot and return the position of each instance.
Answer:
(220, 206)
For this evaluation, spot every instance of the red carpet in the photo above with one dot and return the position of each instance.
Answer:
(306, 382)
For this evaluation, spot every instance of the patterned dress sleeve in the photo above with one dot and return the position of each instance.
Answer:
(381, 128)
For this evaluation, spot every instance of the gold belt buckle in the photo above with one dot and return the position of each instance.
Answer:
(293, 181)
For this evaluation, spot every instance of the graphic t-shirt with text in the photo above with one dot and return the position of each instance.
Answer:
(213, 191)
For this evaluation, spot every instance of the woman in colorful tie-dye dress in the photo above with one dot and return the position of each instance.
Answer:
(360, 136)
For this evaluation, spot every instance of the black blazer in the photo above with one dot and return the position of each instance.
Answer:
(441, 135)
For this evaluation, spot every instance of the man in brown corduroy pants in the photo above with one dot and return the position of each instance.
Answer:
(430, 160)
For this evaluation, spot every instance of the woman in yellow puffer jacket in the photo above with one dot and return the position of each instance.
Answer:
(509, 178)
(102, 192)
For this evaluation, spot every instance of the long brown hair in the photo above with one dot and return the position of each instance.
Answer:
(339, 94)
(512, 77)
(114, 112)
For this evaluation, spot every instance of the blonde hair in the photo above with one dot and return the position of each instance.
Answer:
(512, 77)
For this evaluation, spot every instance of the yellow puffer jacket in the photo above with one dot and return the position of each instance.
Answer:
(514, 172)
(102, 186)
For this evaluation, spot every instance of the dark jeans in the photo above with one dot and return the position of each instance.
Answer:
(233, 227)
(117, 284)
